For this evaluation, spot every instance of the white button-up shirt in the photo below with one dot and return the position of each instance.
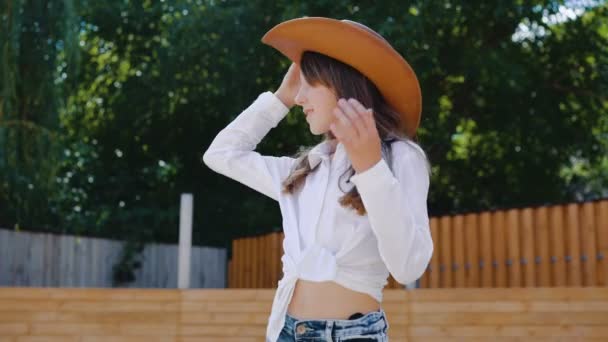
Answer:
(325, 241)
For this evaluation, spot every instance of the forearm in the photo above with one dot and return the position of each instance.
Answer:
(397, 212)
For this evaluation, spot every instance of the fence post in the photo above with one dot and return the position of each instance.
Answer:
(185, 241)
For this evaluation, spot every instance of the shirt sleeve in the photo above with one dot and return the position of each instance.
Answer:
(232, 154)
(397, 211)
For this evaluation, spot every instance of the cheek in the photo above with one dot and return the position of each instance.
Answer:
(329, 104)
(324, 100)
(330, 110)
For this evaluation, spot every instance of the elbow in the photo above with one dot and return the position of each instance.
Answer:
(415, 267)
(207, 158)
(210, 159)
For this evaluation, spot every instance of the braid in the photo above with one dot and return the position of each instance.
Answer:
(298, 174)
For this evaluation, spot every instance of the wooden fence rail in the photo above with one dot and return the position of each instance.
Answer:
(240, 315)
(549, 246)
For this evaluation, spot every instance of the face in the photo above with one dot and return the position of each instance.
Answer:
(318, 103)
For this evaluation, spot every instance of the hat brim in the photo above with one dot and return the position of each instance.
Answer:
(359, 47)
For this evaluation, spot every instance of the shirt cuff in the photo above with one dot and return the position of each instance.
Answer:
(371, 178)
(273, 106)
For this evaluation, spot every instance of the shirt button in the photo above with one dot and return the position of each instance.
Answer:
(301, 329)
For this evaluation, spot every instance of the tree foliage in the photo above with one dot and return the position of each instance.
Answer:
(38, 48)
(507, 120)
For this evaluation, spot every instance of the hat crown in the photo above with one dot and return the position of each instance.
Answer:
(355, 23)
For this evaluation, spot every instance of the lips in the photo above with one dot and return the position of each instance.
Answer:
(308, 111)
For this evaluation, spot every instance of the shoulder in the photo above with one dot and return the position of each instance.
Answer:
(408, 153)
(405, 147)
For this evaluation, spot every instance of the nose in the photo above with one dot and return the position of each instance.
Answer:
(299, 98)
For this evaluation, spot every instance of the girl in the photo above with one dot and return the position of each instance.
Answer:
(353, 206)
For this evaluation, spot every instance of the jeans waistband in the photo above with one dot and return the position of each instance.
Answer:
(372, 322)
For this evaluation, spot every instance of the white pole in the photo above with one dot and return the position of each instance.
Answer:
(185, 241)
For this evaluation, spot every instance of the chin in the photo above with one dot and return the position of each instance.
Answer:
(317, 132)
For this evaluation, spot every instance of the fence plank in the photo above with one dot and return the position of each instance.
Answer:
(236, 250)
(4, 270)
(94, 262)
(589, 244)
(147, 274)
(262, 262)
(543, 257)
(47, 268)
(499, 249)
(255, 269)
(34, 263)
(458, 248)
(423, 282)
(231, 272)
(236, 267)
(274, 259)
(241, 258)
(63, 260)
(485, 263)
(472, 250)
(513, 250)
(247, 263)
(527, 242)
(573, 253)
(257, 264)
(435, 272)
(445, 251)
(267, 269)
(252, 261)
(270, 263)
(197, 259)
(558, 271)
(601, 211)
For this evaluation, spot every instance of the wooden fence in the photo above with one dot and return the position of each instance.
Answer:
(148, 315)
(38, 259)
(560, 245)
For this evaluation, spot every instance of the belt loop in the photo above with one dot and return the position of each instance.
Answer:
(329, 330)
(387, 326)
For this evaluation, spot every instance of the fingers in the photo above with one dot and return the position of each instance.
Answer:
(352, 119)
(366, 115)
(354, 115)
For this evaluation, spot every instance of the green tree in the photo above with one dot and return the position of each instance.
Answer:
(39, 58)
(507, 120)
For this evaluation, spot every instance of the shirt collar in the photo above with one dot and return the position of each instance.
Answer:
(323, 150)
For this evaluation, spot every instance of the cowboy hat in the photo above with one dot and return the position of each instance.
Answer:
(360, 47)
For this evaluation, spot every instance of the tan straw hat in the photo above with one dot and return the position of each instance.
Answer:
(360, 47)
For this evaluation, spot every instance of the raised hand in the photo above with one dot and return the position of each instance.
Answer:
(355, 128)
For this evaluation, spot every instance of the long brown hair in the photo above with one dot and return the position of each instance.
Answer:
(346, 82)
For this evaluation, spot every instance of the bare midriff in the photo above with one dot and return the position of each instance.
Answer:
(328, 300)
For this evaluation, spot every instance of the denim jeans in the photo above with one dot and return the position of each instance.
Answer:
(370, 327)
